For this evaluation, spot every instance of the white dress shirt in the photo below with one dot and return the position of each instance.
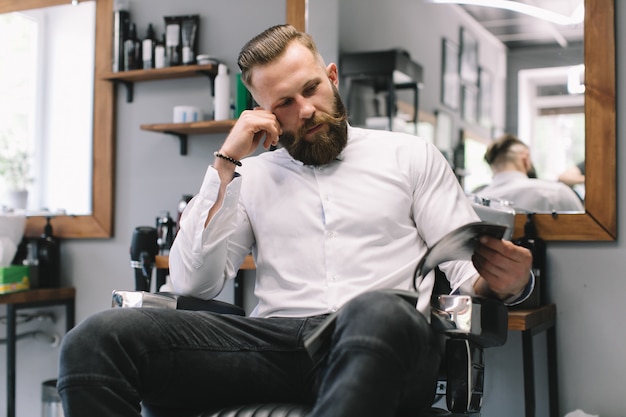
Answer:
(322, 235)
(532, 195)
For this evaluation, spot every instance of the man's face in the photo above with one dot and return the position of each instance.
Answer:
(323, 145)
(303, 96)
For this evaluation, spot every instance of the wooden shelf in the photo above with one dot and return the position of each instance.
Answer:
(192, 128)
(534, 318)
(128, 78)
(162, 262)
(38, 295)
(168, 73)
(182, 130)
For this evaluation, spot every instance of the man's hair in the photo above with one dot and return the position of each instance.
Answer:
(503, 149)
(270, 45)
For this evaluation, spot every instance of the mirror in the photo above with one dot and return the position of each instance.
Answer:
(599, 222)
(99, 223)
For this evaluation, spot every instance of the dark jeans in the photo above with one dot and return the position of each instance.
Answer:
(383, 361)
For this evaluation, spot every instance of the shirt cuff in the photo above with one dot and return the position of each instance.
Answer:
(522, 295)
(467, 288)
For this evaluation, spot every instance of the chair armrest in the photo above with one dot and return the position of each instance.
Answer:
(483, 321)
(145, 299)
(470, 325)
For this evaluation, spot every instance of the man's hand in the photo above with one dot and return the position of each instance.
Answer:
(251, 129)
(503, 266)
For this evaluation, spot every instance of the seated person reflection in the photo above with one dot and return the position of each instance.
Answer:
(510, 162)
(333, 217)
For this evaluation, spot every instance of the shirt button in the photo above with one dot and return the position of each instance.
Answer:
(333, 308)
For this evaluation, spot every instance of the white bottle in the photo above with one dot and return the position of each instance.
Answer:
(160, 59)
(221, 106)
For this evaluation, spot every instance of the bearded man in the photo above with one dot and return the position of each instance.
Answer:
(334, 218)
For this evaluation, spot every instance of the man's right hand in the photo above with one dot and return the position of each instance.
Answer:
(252, 128)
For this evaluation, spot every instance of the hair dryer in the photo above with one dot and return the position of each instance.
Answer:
(143, 251)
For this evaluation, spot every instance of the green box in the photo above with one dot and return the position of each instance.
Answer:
(14, 278)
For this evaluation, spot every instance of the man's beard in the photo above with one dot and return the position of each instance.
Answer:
(325, 146)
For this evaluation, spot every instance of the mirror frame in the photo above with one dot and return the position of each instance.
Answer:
(599, 222)
(99, 224)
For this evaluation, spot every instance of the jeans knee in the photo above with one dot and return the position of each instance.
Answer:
(388, 318)
(95, 337)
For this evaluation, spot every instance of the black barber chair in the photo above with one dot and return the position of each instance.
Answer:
(467, 324)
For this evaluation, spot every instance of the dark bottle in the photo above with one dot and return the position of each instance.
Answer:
(181, 207)
(147, 48)
(166, 229)
(49, 256)
(132, 50)
(537, 247)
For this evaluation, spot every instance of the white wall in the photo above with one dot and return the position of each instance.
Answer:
(585, 278)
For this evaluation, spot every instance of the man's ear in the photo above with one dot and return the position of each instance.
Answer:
(528, 163)
(333, 74)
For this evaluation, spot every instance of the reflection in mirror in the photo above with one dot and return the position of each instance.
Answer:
(47, 105)
(598, 222)
(552, 116)
(476, 172)
(513, 177)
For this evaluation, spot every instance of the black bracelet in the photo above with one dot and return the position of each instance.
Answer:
(226, 157)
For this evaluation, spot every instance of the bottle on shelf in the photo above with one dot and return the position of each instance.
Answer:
(49, 258)
(121, 24)
(132, 50)
(221, 108)
(160, 59)
(147, 48)
(172, 40)
(32, 261)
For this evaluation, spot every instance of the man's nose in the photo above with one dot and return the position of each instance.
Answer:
(306, 108)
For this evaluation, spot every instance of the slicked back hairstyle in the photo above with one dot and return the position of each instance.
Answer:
(270, 45)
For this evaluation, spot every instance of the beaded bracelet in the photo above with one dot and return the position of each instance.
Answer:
(226, 157)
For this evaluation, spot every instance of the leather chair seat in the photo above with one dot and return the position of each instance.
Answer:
(262, 410)
(299, 410)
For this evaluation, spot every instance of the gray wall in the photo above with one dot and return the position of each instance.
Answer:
(585, 278)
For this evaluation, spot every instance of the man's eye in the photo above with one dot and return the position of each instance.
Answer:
(310, 90)
(285, 103)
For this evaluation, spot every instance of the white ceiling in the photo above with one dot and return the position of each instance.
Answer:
(517, 30)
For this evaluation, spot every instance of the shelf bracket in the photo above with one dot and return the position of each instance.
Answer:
(182, 137)
(211, 76)
(129, 89)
